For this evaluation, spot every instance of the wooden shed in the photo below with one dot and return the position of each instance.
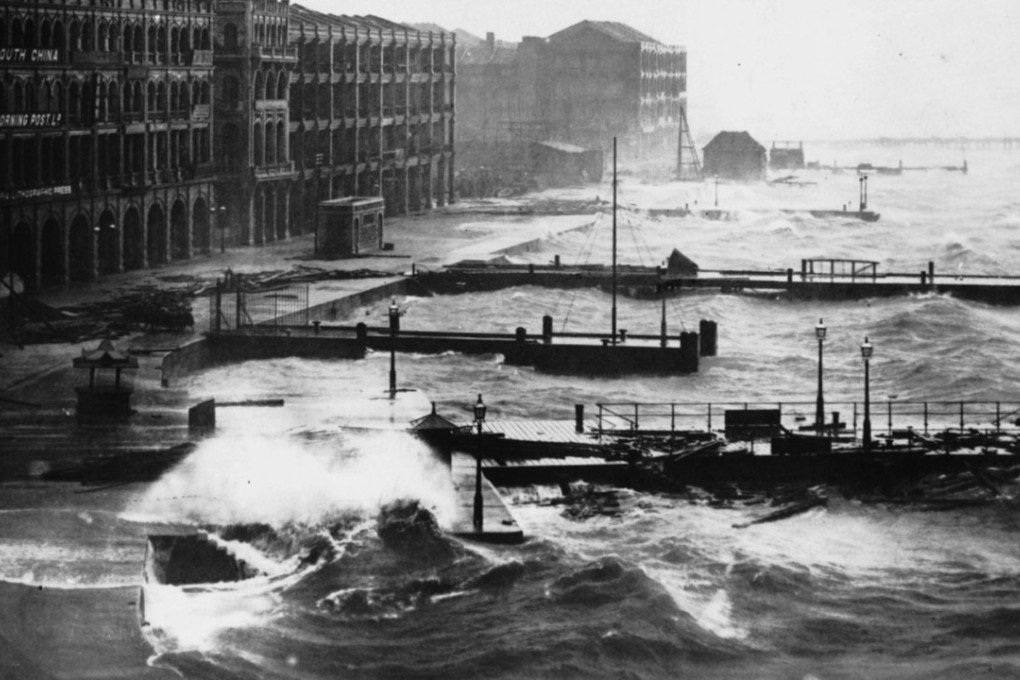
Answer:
(735, 155)
(347, 227)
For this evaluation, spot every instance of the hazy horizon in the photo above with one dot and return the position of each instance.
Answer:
(794, 69)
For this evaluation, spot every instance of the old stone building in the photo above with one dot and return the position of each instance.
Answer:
(254, 63)
(105, 136)
(604, 79)
(583, 85)
(372, 112)
(139, 132)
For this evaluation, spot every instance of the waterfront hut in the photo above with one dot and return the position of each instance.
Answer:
(736, 156)
(348, 227)
(105, 394)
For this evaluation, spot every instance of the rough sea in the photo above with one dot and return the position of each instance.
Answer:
(664, 587)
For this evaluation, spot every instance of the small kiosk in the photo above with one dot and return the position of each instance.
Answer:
(348, 227)
(108, 393)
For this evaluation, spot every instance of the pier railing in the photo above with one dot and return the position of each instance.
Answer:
(233, 308)
(846, 418)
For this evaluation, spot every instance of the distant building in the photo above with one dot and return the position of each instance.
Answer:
(734, 155)
(604, 79)
(786, 156)
(583, 85)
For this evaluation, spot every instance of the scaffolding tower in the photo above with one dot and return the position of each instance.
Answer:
(688, 167)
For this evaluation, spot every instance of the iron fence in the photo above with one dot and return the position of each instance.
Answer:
(888, 418)
(236, 309)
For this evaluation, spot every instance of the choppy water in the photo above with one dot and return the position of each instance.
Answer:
(665, 588)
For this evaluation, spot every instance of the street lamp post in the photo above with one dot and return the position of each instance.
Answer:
(820, 404)
(480, 409)
(394, 323)
(717, 191)
(866, 351)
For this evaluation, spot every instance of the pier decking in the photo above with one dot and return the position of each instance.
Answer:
(644, 282)
(498, 525)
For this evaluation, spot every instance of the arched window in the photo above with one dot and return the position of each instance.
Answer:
(281, 143)
(161, 98)
(58, 34)
(281, 86)
(270, 143)
(86, 36)
(87, 103)
(152, 43)
(46, 105)
(46, 35)
(206, 40)
(260, 86)
(31, 100)
(74, 100)
(3, 32)
(128, 42)
(17, 33)
(101, 101)
(111, 100)
(151, 97)
(161, 41)
(185, 46)
(139, 39)
(128, 105)
(205, 92)
(270, 84)
(104, 37)
(175, 43)
(31, 39)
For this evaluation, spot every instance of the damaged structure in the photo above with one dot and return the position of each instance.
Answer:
(134, 133)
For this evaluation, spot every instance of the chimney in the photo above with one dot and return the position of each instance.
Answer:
(490, 39)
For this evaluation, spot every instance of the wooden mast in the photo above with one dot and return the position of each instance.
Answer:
(614, 242)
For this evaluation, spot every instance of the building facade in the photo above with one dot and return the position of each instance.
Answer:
(584, 85)
(604, 79)
(105, 136)
(134, 133)
(254, 64)
(372, 112)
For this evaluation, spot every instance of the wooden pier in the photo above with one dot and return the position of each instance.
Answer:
(498, 525)
(819, 283)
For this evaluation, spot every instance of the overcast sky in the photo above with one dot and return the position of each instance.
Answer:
(794, 69)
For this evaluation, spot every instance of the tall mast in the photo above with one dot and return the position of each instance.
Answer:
(614, 240)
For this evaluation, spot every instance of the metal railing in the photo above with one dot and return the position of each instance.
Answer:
(233, 308)
(888, 418)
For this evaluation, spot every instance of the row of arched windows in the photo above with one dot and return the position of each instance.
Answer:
(371, 57)
(271, 84)
(270, 31)
(49, 160)
(106, 36)
(104, 101)
(270, 143)
(53, 251)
